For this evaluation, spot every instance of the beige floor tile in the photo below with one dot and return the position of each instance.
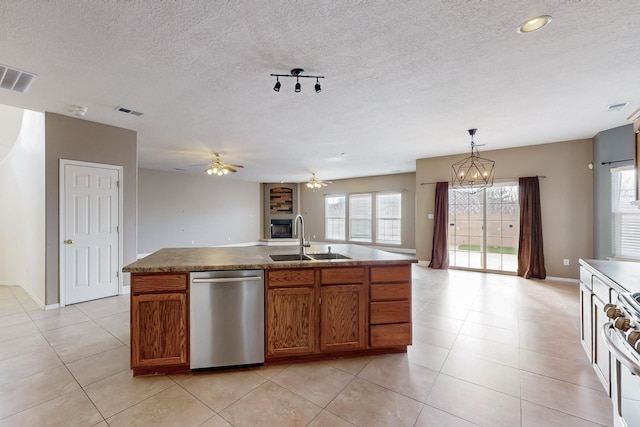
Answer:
(14, 319)
(436, 321)
(100, 366)
(20, 346)
(102, 307)
(316, 382)
(57, 318)
(171, 407)
(432, 417)
(366, 404)
(427, 355)
(81, 340)
(535, 416)
(118, 325)
(506, 354)
(579, 372)
(490, 333)
(18, 331)
(121, 391)
(327, 419)
(397, 373)
(569, 398)
(101, 424)
(220, 389)
(24, 393)
(73, 409)
(270, 370)
(495, 320)
(426, 335)
(28, 364)
(10, 306)
(216, 421)
(495, 376)
(474, 403)
(270, 406)
(350, 365)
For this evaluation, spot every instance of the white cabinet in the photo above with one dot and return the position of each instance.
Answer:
(586, 306)
(601, 354)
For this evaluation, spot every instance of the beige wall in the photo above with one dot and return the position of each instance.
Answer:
(312, 202)
(22, 216)
(182, 210)
(566, 197)
(76, 139)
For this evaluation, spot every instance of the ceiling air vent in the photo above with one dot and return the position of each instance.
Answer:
(617, 107)
(128, 111)
(14, 79)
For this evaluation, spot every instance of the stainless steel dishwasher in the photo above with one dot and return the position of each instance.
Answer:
(227, 318)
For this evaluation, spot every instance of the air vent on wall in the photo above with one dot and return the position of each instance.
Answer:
(128, 111)
(14, 79)
(617, 107)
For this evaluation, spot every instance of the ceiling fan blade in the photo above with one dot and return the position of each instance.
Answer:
(235, 166)
(230, 169)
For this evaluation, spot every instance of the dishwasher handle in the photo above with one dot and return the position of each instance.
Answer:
(226, 279)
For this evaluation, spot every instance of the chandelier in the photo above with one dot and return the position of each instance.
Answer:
(218, 167)
(473, 173)
(297, 73)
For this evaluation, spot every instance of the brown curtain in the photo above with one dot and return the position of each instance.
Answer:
(530, 253)
(440, 251)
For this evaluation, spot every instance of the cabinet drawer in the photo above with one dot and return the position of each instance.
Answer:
(399, 273)
(390, 335)
(390, 312)
(601, 289)
(293, 277)
(339, 276)
(149, 283)
(585, 277)
(391, 291)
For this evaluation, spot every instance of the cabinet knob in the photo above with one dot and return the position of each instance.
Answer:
(68, 242)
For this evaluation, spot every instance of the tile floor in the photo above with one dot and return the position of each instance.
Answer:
(489, 350)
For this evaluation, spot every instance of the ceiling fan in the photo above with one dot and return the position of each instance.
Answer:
(316, 183)
(218, 167)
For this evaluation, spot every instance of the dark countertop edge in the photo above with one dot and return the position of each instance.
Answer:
(624, 276)
(268, 266)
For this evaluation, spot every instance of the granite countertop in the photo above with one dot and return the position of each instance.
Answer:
(257, 257)
(625, 275)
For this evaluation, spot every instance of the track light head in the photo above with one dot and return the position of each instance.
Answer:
(277, 86)
(298, 87)
(298, 74)
(318, 88)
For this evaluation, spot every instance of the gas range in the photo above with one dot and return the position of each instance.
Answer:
(622, 336)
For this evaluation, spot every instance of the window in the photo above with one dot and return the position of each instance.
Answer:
(360, 217)
(389, 215)
(381, 218)
(626, 215)
(335, 214)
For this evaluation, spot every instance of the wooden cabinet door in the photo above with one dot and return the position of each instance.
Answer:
(159, 335)
(343, 317)
(291, 321)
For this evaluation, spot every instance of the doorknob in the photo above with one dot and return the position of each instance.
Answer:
(68, 241)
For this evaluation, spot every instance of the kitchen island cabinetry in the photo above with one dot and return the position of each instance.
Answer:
(159, 326)
(390, 306)
(291, 312)
(343, 309)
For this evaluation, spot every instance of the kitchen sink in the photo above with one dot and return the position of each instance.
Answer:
(289, 257)
(328, 255)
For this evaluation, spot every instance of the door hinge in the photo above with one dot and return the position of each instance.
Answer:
(118, 274)
(117, 228)
(320, 301)
(118, 183)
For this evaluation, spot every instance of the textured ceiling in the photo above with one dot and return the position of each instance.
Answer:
(404, 79)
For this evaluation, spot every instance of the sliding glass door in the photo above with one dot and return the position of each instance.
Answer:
(483, 228)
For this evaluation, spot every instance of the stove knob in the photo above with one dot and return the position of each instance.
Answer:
(622, 323)
(612, 311)
(634, 339)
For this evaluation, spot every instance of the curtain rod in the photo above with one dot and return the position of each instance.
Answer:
(495, 179)
(617, 161)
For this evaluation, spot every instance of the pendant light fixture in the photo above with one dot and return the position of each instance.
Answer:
(297, 73)
(473, 173)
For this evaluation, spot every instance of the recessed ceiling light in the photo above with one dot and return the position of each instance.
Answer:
(534, 23)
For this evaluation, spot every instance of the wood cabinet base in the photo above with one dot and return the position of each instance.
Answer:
(337, 355)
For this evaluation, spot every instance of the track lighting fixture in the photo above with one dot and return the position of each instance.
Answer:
(297, 73)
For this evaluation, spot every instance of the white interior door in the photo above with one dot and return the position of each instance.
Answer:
(89, 219)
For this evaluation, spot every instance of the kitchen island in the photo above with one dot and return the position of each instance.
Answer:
(358, 304)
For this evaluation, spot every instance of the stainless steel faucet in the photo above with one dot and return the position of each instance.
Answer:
(301, 234)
